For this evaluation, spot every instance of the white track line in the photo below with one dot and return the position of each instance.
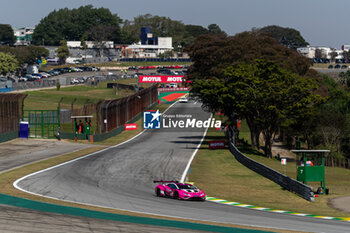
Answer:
(194, 154)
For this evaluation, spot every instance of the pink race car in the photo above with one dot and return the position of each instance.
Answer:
(177, 190)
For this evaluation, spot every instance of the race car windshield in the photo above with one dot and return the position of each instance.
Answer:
(186, 186)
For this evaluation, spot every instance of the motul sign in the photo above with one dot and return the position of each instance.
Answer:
(217, 144)
(160, 78)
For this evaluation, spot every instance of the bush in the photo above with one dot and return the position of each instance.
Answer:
(58, 86)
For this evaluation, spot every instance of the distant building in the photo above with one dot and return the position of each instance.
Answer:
(90, 44)
(23, 35)
(345, 48)
(149, 46)
(324, 52)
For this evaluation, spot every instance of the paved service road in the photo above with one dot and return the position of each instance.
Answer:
(19, 152)
(121, 178)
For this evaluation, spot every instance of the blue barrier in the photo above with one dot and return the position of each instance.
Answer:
(6, 89)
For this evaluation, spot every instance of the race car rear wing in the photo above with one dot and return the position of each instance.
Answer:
(165, 181)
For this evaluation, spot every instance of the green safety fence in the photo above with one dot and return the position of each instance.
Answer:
(42, 123)
(104, 136)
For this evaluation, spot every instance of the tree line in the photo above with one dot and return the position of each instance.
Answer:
(97, 24)
(256, 77)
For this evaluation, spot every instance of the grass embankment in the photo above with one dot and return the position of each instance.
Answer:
(222, 176)
(47, 99)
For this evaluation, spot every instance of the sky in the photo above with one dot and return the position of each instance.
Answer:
(320, 22)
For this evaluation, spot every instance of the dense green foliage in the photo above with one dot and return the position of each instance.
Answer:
(6, 35)
(63, 51)
(161, 26)
(286, 36)
(66, 24)
(328, 127)
(8, 63)
(266, 92)
(26, 54)
(212, 53)
(86, 21)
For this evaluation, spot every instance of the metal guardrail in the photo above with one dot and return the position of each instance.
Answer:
(284, 181)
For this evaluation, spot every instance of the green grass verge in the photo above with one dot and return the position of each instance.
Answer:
(226, 178)
(47, 99)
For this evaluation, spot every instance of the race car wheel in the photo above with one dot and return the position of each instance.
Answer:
(176, 195)
(158, 192)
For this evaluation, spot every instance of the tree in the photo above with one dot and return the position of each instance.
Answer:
(213, 54)
(63, 51)
(6, 35)
(100, 34)
(8, 63)
(26, 54)
(195, 30)
(319, 53)
(160, 26)
(66, 24)
(215, 29)
(346, 54)
(333, 122)
(333, 55)
(262, 93)
(166, 54)
(286, 36)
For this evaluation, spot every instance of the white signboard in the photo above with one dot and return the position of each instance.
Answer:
(284, 161)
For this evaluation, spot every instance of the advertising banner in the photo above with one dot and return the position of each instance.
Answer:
(130, 126)
(284, 161)
(173, 89)
(160, 78)
(217, 144)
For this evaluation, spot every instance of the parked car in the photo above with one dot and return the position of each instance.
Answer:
(337, 66)
(75, 69)
(53, 72)
(45, 75)
(30, 77)
(81, 80)
(74, 81)
(22, 79)
(164, 71)
(330, 67)
(344, 66)
(37, 76)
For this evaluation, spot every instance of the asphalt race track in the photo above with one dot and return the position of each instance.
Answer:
(121, 178)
